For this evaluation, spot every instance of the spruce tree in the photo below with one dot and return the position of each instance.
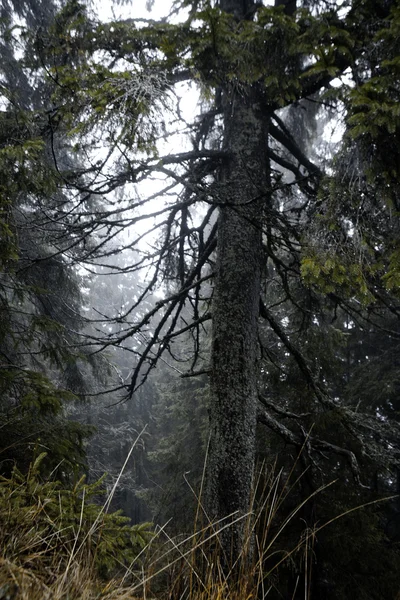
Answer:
(269, 241)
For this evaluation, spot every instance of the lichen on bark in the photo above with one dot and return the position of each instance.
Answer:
(243, 192)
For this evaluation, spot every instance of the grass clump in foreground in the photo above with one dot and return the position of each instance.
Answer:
(57, 544)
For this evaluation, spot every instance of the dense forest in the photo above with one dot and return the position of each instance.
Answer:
(200, 299)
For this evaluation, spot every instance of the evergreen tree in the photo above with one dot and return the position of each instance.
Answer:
(281, 248)
(39, 287)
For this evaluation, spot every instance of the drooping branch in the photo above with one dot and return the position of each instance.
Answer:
(308, 443)
(282, 135)
(320, 394)
(301, 180)
(174, 304)
(280, 411)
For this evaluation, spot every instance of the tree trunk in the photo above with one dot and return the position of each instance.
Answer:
(243, 193)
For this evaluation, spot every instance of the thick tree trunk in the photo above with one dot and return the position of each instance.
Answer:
(243, 193)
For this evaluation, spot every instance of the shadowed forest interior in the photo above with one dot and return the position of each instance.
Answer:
(199, 299)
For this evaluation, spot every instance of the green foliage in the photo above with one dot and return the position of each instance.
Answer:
(374, 111)
(375, 103)
(123, 99)
(350, 246)
(43, 525)
(391, 277)
(32, 419)
(336, 274)
(23, 171)
(243, 53)
(266, 51)
(24, 168)
(39, 299)
(374, 106)
(89, 95)
(215, 46)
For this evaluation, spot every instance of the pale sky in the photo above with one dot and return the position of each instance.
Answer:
(134, 9)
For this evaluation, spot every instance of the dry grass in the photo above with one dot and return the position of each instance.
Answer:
(45, 556)
(41, 559)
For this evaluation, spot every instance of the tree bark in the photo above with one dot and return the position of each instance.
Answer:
(243, 193)
(239, 8)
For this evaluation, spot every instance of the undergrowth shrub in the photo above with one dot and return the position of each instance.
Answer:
(49, 532)
(56, 543)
